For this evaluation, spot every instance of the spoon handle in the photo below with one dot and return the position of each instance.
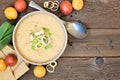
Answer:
(36, 6)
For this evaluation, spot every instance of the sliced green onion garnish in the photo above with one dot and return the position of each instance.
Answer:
(40, 39)
(48, 33)
(48, 46)
(45, 29)
(45, 40)
(32, 47)
(46, 36)
(35, 41)
(39, 45)
(32, 33)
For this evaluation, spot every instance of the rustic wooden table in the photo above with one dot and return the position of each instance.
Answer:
(96, 57)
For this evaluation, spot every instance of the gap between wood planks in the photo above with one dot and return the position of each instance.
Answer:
(81, 69)
(98, 43)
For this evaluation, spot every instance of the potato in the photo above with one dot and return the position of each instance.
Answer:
(66, 7)
(77, 4)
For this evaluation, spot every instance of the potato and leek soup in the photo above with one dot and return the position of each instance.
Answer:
(39, 37)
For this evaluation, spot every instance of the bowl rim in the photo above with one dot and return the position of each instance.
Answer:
(64, 45)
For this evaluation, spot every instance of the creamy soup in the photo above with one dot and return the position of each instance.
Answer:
(34, 24)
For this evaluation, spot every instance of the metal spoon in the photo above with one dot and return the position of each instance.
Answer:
(75, 28)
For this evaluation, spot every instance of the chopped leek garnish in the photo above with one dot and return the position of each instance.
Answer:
(32, 33)
(46, 36)
(48, 33)
(45, 29)
(35, 41)
(45, 40)
(40, 39)
(48, 46)
(32, 47)
(39, 45)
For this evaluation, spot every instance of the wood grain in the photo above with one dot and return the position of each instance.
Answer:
(95, 14)
(81, 69)
(102, 18)
(99, 42)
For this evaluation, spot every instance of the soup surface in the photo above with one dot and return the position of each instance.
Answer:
(34, 24)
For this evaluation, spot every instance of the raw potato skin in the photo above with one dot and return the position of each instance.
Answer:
(11, 59)
(77, 4)
(20, 5)
(66, 7)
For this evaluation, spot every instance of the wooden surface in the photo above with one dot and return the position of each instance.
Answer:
(82, 59)
(82, 69)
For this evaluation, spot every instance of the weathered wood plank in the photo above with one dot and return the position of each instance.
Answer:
(95, 14)
(98, 14)
(99, 42)
(81, 69)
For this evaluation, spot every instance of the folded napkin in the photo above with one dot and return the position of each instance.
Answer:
(15, 72)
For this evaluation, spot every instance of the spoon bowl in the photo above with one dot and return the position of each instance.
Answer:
(76, 29)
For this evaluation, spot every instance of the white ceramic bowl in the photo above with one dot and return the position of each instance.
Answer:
(59, 53)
